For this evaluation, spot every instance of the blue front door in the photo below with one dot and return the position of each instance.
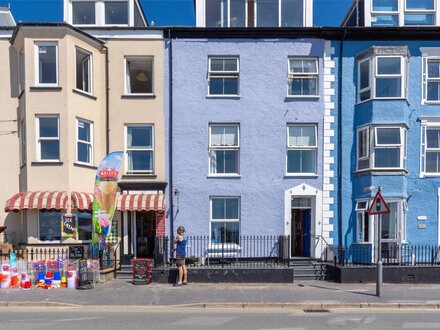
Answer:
(301, 232)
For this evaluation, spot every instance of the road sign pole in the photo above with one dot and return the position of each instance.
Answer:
(379, 265)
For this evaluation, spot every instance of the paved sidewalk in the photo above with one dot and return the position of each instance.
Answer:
(299, 295)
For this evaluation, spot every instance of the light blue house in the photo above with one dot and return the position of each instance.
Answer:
(251, 125)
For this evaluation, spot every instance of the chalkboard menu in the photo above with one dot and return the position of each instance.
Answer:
(76, 251)
(141, 271)
(83, 274)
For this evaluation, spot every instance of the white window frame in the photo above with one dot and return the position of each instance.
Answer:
(360, 211)
(37, 67)
(422, 11)
(370, 78)
(384, 76)
(126, 150)
(224, 74)
(211, 220)
(304, 75)
(401, 221)
(372, 141)
(426, 123)
(374, 76)
(367, 140)
(314, 148)
(127, 60)
(426, 79)
(305, 4)
(97, 12)
(90, 68)
(402, 147)
(224, 148)
(89, 143)
(39, 139)
(400, 13)
(130, 11)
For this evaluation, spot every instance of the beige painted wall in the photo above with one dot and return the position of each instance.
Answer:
(68, 105)
(9, 166)
(146, 110)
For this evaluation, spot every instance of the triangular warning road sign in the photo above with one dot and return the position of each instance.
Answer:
(378, 206)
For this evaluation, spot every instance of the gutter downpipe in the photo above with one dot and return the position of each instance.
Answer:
(340, 71)
(107, 103)
(170, 136)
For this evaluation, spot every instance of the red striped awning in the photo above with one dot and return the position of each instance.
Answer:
(141, 202)
(37, 200)
(82, 201)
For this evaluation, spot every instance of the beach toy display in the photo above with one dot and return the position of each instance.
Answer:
(72, 277)
(15, 278)
(5, 277)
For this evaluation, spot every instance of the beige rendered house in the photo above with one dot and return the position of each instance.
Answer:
(75, 92)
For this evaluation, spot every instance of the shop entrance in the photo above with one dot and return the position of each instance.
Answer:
(145, 229)
(301, 232)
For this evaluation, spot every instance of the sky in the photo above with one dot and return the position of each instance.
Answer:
(163, 12)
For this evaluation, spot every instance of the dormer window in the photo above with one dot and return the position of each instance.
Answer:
(104, 13)
(116, 12)
(257, 13)
(83, 12)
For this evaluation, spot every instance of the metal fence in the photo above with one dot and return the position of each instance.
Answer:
(392, 255)
(246, 251)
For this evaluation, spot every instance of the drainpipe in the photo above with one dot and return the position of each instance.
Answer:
(107, 103)
(170, 134)
(340, 71)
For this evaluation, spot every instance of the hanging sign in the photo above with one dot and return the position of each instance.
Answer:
(378, 206)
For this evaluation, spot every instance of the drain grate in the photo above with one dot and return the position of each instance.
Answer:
(316, 310)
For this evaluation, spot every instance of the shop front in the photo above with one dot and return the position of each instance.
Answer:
(143, 224)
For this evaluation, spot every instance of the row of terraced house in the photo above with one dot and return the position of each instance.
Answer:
(254, 122)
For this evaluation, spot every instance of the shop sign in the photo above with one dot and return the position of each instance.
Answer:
(76, 251)
(68, 226)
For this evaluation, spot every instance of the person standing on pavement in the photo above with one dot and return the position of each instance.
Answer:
(180, 242)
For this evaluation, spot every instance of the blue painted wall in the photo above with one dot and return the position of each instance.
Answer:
(263, 113)
(421, 193)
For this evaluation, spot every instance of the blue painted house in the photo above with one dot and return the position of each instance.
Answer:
(251, 127)
(390, 127)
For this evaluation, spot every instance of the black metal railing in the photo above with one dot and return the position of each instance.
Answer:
(392, 254)
(244, 251)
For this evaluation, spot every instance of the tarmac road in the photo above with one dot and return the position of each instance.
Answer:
(161, 318)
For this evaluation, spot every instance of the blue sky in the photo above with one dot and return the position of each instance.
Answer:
(162, 12)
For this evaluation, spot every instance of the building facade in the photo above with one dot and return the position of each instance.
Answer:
(252, 137)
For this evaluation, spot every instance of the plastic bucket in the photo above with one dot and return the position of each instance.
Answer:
(71, 279)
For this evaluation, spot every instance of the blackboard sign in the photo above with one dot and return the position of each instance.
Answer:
(76, 251)
(84, 282)
(141, 271)
(68, 226)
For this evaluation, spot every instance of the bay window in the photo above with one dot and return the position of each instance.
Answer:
(382, 76)
(431, 79)
(430, 148)
(381, 147)
(225, 219)
(363, 223)
(46, 69)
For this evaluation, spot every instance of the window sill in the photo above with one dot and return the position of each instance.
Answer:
(138, 176)
(83, 93)
(233, 96)
(430, 102)
(388, 171)
(138, 96)
(85, 165)
(301, 175)
(45, 88)
(429, 175)
(224, 176)
(293, 97)
(45, 163)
